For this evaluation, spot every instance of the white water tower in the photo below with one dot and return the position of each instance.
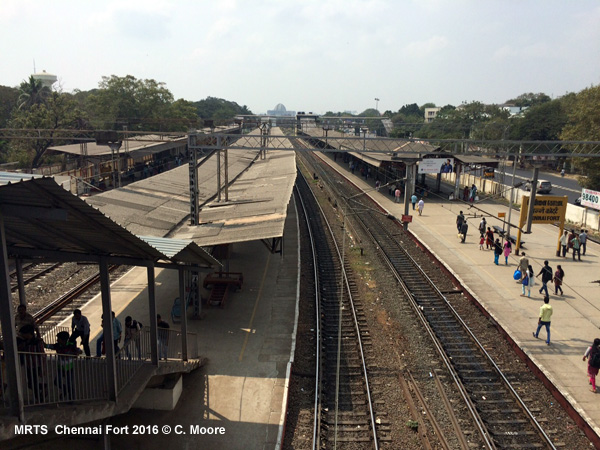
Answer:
(47, 79)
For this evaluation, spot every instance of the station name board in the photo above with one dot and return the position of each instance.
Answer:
(546, 209)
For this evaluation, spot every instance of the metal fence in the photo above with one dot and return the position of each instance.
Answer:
(49, 378)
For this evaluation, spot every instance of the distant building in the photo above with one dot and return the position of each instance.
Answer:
(513, 110)
(47, 79)
(281, 111)
(430, 114)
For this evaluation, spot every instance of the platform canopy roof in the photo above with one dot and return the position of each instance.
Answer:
(42, 220)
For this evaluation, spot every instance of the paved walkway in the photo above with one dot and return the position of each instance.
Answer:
(576, 316)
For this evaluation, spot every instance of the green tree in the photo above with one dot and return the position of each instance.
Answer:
(583, 124)
(58, 112)
(219, 109)
(529, 99)
(138, 104)
(32, 92)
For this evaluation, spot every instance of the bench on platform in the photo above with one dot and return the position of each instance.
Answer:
(511, 238)
(221, 283)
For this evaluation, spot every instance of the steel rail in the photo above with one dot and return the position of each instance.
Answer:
(319, 371)
(356, 326)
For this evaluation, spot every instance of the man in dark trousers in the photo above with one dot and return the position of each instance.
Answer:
(459, 221)
(463, 230)
(547, 276)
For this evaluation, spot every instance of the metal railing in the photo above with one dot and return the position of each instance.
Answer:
(50, 378)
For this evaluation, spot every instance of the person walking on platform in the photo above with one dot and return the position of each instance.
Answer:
(163, 338)
(482, 226)
(497, 250)
(489, 239)
(526, 284)
(531, 274)
(413, 200)
(459, 221)
(397, 194)
(583, 239)
(463, 231)
(592, 354)
(564, 243)
(507, 251)
(559, 276)
(576, 247)
(544, 319)
(523, 266)
(420, 206)
(547, 276)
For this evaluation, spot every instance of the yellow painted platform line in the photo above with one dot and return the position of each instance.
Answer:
(260, 289)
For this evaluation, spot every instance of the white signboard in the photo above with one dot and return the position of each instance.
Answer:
(590, 198)
(436, 165)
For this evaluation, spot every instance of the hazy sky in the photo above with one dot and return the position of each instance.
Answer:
(310, 55)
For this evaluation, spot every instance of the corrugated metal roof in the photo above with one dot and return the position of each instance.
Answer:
(15, 177)
(41, 218)
(182, 250)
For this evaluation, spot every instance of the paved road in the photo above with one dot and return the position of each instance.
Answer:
(560, 185)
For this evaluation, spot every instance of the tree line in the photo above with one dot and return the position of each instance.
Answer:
(118, 103)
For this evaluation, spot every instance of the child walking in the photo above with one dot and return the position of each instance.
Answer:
(481, 241)
(526, 283)
(589, 354)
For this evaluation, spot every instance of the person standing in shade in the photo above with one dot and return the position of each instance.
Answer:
(420, 206)
(559, 276)
(463, 231)
(590, 354)
(564, 243)
(413, 200)
(459, 221)
(163, 338)
(397, 194)
(466, 193)
(544, 319)
(583, 239)
(23, 318)
(547, 276)
(498, 252)
(507, 251)
(80, 327)
(576, 243)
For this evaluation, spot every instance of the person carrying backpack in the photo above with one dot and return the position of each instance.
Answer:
(593, 355)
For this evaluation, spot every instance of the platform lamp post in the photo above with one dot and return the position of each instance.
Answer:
(326, 129)
(376, 104)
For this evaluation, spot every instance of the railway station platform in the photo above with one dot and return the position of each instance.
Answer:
(238, 398)
(576, 314)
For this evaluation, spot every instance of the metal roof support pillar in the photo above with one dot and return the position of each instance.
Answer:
(184, 347)
(218, 171)
(534, 183)
(7, 320)
(20, 282)
(226, 169)
(193, 173)
(107, 331)
(152, 312)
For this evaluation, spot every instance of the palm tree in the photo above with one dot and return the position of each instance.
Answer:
(32, 92)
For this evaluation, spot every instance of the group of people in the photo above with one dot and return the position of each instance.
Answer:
(33, 357)
(470, 193)
(575, 242)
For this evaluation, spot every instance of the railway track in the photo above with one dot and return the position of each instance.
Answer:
(32, 272)
(344, 410)
(54, 313)
(502, 418)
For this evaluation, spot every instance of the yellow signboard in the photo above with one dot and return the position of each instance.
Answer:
(546, 209)
(501, 214)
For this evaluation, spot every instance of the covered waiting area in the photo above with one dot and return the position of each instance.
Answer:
(39, 220)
